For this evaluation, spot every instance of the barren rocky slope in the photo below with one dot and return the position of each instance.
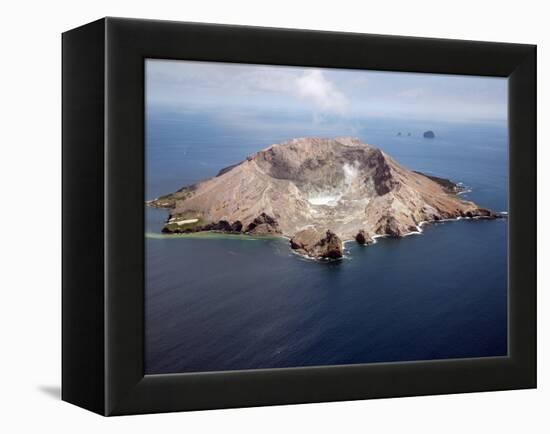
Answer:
(316, 189)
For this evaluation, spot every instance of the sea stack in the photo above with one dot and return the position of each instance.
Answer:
(316, 244)
(363, 238)
(429, 134)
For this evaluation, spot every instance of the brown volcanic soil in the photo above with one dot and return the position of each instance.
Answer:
(341, 185)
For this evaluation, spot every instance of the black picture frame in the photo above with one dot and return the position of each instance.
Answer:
(103, 186)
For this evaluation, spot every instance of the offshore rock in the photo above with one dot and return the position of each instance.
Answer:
(363, 238)
(316, 244)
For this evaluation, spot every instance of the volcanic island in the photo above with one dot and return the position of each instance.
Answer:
(317, 192)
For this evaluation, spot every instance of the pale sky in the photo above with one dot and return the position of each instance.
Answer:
(323, 92)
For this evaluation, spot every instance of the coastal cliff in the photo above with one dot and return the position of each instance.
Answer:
(317, 192)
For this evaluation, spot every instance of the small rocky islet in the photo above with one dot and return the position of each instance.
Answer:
(317, 192)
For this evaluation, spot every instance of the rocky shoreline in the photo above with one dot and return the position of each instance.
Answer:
(312, 244)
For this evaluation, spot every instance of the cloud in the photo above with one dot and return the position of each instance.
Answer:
(312, 86)
(308, 86)
(205, 83)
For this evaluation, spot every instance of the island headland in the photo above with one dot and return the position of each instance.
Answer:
(318, 192)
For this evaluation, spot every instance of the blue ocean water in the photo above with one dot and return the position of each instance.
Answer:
(231, 303)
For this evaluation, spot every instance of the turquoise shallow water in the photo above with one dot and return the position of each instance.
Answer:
(225, 303)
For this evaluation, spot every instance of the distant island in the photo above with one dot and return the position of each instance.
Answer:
(317, 192)
(429, 135)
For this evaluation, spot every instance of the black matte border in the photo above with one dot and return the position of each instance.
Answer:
(128, 43)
